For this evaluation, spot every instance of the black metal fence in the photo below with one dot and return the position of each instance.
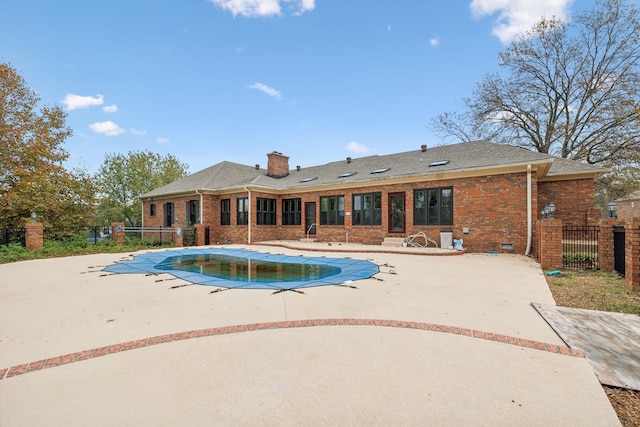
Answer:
(154, 236)
(580, 247)
(90, 235)
(13, 235)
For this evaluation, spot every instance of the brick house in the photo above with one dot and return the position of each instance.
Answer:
(490, 195)
(628, 207)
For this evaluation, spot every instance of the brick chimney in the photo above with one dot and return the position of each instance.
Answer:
(277, 165)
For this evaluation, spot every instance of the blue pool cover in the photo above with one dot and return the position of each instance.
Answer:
(149, 263)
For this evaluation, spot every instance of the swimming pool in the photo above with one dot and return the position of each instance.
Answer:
(244, 269)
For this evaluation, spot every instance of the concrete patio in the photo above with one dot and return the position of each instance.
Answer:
(429, 340)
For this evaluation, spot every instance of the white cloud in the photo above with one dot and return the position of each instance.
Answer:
(518, 16)
(434, 41)
(107, 128)
(266, 89)
(305, 6)
(162, 140)
(75, 102)
(256, 8)
(110, 108)
(138, 132)
(356, 147)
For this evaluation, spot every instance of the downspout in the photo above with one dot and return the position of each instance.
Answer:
(201, 204)
(249, 215)
(529, 218)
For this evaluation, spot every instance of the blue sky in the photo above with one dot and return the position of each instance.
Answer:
(214, 80)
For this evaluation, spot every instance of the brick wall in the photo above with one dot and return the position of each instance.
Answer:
(179, 214)
(628, 209)
(574, 200)
(492, 208)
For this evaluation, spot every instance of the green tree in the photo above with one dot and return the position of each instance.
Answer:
(32, 175)
(567, 89)
(124, 178)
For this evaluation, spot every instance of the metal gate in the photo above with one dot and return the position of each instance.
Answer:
(580, 247)
(619, 250)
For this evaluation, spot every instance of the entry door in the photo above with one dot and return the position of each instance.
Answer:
(310, 224)
(396, 213)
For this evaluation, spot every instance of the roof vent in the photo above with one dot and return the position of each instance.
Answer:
(423, 147)
(257, 166)
(298, 168)
(348, 159)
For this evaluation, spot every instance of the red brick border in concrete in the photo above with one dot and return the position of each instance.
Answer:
(179, 336)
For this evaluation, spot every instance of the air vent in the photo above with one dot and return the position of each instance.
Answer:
(344, 175)
(309, 179)
(439, 163)
(381, 170)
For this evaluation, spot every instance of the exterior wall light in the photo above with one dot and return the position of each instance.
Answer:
(34, 217)
(548, 211)
(611, 207)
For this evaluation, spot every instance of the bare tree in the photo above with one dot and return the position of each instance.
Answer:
(568, 89)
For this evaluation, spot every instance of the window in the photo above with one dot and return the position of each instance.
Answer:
(291, 211)
(242, 211)
(439, 163)
(367, 209)
(381, 170)
(433, 206)
(169, 218)
(266, 211)
(152, 209)
(225, 212)
(193, 212)
(332, 210)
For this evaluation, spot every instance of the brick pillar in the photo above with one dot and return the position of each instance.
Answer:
(593, 216)
(605, 244)
(550, 243)
(177, 237)
(117, 233)
(200, 230)
(632, 254)
(35, 236)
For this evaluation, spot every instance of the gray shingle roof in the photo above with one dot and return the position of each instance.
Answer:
(633, 196)
(460, 158)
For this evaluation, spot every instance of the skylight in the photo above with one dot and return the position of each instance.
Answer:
(439, 163)
(344, 175)
(381, 170)
(309, 179)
